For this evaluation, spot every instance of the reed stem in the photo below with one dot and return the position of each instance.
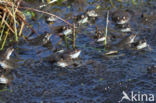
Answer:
(15, 22)
(74, 36)
(66, 42)
(106, 31)
(7, 32)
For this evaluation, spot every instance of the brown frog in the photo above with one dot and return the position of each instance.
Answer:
(126, 41)
(64, 63)
(151, 69)
(147, 19)
(121, 16)
(64, 55)
(6, 62)
(5, 55)
(100, 36)
(63, 30)
(71, 54)
(89, 16)
(6, 78)
(81, 19)
(40, 40)
(124, 28)
(141, 44)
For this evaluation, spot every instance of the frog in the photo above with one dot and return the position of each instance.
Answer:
(40, 40)
(151, 69)
(148, 19)
(71, 54)
(100, 36)
(126, 41)
(86, 17)
(92, 13)
(82, 19)
(5, 55)
(69, 62)
(6, 62)
(6, 78)
(121, 16)
(68, 54)
(124, 28)
(142, 44)
(63, 31)
(50, 19)
(64, 63)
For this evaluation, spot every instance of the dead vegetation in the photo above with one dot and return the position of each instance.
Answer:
(12, 22)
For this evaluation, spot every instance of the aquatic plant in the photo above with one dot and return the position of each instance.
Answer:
(12, 21)
(74, 36)
(106, 31)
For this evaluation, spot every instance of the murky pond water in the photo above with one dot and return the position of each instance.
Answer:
(97, 78)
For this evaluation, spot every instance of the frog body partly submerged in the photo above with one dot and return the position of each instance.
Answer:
(121, 17)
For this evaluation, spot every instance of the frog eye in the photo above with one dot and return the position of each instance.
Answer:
(64, 27)
(146, 19)
(82, 16)
(124, 18)
(118, 18)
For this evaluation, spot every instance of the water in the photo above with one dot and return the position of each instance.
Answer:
(100, 79)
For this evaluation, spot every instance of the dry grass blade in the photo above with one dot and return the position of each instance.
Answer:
(13, 20)
(74, 36)
(47, 14)
(6, 23)
(3, 18)
(12, 25)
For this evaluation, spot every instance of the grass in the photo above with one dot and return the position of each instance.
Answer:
(15, 22)
(12, 22)
(74, 36)
(66, 41)
(106, 30)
